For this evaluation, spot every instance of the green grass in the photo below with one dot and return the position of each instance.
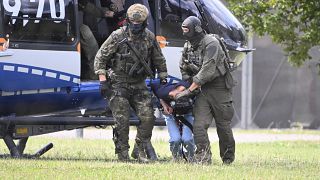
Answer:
(277, 131)
(95, 159)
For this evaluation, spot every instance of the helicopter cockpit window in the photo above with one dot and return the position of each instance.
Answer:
(227, 24)
(172, 15)
(40, 20)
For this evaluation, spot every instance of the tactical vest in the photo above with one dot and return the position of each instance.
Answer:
(124, 61)
(231, 64)
(194, 57)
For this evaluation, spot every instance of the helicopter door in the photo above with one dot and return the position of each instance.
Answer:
(170, 17)
(172, 14)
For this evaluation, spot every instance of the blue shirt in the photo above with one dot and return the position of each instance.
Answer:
(162, 91)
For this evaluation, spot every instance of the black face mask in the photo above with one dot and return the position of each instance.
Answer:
(188, 34)
(136, 28)
(191, 23)
(194, 37)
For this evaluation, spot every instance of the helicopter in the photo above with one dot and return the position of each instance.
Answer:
(41, 88)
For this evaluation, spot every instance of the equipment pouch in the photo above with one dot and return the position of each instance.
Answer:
(140, 71)
(222, 69)
(119, 62)
(123, 92)
(128, 68)
(229, 80)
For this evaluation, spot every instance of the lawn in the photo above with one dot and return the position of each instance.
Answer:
(95, 159)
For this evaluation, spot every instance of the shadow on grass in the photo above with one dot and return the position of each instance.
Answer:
(31, 157)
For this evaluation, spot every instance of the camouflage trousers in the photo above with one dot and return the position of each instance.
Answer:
(213, 103)
(126, 97)
(90, 47)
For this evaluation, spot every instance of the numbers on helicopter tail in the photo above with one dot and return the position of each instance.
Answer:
(14, 7)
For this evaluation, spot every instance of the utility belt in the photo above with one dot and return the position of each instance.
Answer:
(124, 85)
(117, 76)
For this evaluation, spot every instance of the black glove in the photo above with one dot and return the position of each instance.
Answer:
(105, 89)
(163, 81)
(185, 93)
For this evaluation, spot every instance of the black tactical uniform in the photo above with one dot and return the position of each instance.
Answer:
(204, 63)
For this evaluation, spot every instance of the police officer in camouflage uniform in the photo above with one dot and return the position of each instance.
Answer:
(122, 76)
(204, 63)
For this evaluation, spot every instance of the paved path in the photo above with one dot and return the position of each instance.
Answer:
(158, 134)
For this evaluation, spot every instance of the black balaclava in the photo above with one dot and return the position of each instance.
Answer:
(195, 33)
(137, 29)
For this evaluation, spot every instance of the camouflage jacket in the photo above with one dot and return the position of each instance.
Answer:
(204, 63)
(117, 56)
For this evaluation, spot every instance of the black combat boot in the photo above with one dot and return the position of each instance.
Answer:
(121, 149)
(123, 156)
(227, 161)
(134, 153)
(203, 155)
(228, 155)
(151, 154)
(142, 156)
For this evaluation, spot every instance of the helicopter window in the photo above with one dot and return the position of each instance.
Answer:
(173, 12)
(40, 20)
(222, 14)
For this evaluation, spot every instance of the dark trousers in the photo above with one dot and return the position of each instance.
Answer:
(214, 103)
(137, 97)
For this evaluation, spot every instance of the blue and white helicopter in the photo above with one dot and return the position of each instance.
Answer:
(41, 90)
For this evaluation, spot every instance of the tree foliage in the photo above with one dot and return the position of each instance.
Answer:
(295, 24)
